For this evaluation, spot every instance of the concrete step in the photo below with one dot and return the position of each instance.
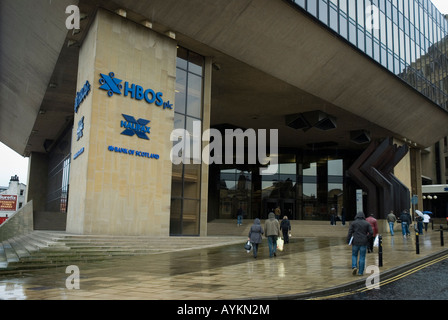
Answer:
(45, 249)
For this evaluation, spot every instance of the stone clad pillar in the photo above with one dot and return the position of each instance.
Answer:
(120, 175)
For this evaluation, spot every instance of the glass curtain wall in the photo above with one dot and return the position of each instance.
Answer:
(58, 174)
(306, 186)
(407, 37)
(186, 176)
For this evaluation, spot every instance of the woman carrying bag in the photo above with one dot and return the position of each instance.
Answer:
(255, 233)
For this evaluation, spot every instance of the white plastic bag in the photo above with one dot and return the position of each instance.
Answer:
(280, 243)
(376, 242)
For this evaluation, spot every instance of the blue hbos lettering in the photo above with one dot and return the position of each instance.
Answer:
(133, 152)
(113, 85)
(81, 95)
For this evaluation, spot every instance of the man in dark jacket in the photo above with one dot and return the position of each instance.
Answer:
(285, 226)
(406, 221)
(358, 236)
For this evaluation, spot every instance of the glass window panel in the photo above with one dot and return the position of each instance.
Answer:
(383, 56)
(190, 217)
(180, 91)
(194, 97)
(192, 179)
(323, 11)
(352, 9)
(361, 43)
(175, 216)
(343, 5)
(361, 12)
(390, 37)
(179, 121)
(383, 37)
(182, 58)
(312, 7)
(352, 33)
(376, 50)
(369, 48)
(194, 128)
(333, 19)
(176, 180)
(343, 26)
(195, 63)
(300, 3)
(390, 61)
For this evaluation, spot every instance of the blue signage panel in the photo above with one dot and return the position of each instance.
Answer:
(81, 95)
(133, 152)
(113, 86)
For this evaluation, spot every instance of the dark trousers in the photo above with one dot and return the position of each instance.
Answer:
(370, 244)
(285, 235)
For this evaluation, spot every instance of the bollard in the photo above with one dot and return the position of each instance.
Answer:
(380, 251)
(441, 235)
(417, 244)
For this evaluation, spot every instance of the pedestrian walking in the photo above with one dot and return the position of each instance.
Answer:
(285, 226)
(391, 218)
(373, 223)
(277, 213)
(357, 237)
(406, 221)
(239, 217)
(426, 219)
(255, 235)
(419, 220)
(333, 216)
(272, 229)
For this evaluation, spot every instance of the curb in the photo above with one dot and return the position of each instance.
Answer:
(350, 286)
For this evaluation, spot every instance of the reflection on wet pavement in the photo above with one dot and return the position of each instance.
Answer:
(227, 272)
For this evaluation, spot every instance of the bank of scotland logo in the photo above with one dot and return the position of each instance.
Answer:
(110, 84)
(137, 127)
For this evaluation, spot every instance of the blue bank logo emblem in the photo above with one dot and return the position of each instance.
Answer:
(110, 84)
(135, 127)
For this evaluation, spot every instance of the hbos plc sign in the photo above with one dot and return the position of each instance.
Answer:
(114, 86)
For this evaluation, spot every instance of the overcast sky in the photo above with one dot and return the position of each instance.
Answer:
(11, 163)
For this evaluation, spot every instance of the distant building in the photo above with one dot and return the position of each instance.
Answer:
(12, 198)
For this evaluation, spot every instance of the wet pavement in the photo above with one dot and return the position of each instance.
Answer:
(307, 268)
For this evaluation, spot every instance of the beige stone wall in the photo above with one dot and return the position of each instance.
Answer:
(19, 223)
(409, 171)
(403, 169)
(112, 192)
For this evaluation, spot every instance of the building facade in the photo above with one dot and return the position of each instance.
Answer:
(146, 117)
(12, 198)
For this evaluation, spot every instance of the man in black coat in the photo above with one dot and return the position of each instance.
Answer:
(358, 237)
(406, 221)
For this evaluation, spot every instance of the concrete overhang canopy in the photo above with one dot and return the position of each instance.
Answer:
(32, 34)
(281, 41)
